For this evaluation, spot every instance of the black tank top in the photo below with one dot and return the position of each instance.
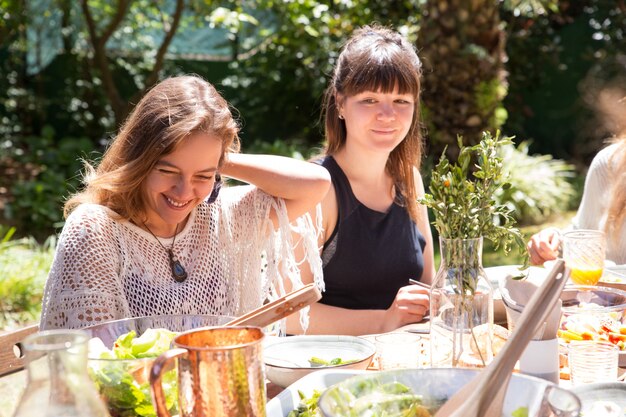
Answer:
(370, 254)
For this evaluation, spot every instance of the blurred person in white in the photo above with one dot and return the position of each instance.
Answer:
(375, 236)
(152, 234)
(603, 204)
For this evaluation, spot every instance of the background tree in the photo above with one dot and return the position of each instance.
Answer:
(463, 44)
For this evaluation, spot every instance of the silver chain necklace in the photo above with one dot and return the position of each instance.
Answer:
(178, 271)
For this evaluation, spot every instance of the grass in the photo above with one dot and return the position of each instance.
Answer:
(24, 266)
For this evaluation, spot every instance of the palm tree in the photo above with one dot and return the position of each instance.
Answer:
(462, 45)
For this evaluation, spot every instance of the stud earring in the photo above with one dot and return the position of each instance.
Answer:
(341, 116)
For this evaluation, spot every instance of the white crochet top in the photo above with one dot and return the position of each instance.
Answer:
(592, 212)
(106, 269)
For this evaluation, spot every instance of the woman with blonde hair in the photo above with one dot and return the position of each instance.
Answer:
(603, 204)
(375, 235)
(152, 234)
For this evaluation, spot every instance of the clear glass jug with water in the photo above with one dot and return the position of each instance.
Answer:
(58, 382)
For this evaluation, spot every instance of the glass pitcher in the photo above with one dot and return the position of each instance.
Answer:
(58, 383)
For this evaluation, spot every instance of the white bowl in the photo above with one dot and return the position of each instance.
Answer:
(435, 385)
(594, 398)
(287, 358)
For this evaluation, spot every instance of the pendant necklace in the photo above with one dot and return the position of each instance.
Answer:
(178, 271)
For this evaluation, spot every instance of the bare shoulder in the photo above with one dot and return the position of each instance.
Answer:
(419, 183)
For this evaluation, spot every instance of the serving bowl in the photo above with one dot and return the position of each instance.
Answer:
(602, 399)
(288, 359)
(124, 384)
(614, 276)
(435, 386)
(591, 299)
(590, 312)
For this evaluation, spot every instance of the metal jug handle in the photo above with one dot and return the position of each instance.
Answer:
(162, 364)
(559, 402)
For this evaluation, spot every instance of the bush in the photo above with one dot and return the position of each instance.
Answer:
(541, 186)
(46, 172)
(24, 266)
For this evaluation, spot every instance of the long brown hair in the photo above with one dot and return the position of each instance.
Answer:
(170, 112)
(379, 59)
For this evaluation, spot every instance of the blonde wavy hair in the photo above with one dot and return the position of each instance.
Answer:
(376, 58)
(611, 104)
(168, 114)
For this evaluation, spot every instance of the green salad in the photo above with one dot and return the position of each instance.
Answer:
(316, 362)
(121, 374)
(370, 398)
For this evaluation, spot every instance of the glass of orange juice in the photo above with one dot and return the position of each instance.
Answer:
(584, 252)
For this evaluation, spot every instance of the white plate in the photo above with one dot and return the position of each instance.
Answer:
(287, 359)
(289, 399)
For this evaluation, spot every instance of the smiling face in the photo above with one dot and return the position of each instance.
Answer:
(180, 181)
(375, 120)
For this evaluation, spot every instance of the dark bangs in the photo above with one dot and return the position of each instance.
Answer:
(382, 70)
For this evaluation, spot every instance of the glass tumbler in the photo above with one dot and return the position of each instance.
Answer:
(584, 252)
(398, 350)
(592, 361)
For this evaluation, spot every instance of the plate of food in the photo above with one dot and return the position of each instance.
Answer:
(288, 359)
(614, 276)
(594, 313)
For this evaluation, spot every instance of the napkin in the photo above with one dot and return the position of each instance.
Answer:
(541, 356)
(517, 293)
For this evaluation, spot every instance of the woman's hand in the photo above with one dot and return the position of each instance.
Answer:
(544, 246)
(410, 306)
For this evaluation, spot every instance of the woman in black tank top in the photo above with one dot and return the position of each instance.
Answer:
(376, 237)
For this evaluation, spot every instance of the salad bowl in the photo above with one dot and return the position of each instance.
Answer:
(389, 392)
(121, 354)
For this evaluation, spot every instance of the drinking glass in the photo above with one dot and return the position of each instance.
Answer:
(559, 402)
(398, 350)
(592, 361)
(583, 253)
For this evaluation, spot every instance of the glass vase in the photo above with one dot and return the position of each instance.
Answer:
(461, 307)
(58, 383)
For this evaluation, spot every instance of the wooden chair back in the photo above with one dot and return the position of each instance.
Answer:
(11, 350)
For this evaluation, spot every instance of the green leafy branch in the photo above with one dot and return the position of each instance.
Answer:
(464, 202)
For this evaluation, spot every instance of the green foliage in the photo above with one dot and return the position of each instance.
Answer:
(50, 172)
(284, 81)
(463, 202)
(539, 185)
(292, 148)
(489, 96)
(558, 61)
(24, 266)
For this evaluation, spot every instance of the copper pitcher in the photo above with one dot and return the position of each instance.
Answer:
(220, 373)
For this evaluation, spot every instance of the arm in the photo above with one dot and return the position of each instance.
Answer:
(410, 305)
(300, 184)
(545, 245)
